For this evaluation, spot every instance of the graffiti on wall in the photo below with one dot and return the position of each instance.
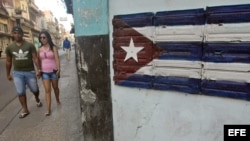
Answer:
(196, 51)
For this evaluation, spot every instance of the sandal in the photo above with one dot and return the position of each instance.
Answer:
(23, 115)
(39, 104)
(47, 114)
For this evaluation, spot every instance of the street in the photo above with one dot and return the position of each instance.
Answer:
(9, 103)
(7, 90)
(8, 99)
(63, 124)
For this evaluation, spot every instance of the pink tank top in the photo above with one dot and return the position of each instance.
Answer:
(48, 62)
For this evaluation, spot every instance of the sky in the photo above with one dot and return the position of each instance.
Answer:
(58, 9)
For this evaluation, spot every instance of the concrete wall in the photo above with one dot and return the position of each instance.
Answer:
(152, 115)
(113, 112)
(91, 17)
(92, 58)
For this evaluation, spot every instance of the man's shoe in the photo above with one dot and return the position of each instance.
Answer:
(39, 104)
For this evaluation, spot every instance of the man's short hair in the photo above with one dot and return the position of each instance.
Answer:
(18, 29)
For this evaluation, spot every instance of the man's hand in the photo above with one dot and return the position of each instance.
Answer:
(38, 74)
(9, 77)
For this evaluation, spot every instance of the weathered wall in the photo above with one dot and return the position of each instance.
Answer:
(93, 65)
(138, 114)
(92, 57)
(153, 115)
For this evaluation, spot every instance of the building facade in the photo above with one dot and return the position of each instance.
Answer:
(6, 22)
(26, 14)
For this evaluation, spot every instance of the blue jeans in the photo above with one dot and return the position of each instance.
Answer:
(23, 78)
(49, 76)
(67, 53)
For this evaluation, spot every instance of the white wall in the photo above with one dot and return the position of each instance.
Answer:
(151, 115)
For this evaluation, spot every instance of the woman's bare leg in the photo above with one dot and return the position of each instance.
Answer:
(47, 87)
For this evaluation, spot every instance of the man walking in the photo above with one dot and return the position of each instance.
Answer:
(23, 56)
(1, 50)
(67, 47)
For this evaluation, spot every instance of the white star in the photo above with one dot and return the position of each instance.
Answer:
(131, 50)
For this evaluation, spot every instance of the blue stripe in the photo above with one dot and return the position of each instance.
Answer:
(226, 85)
(173, 80)
(226, 52)
(238, 90)
(135, 20)
(183, 84)
(136, 84)
(223, 93)
(228, 8)
(228, 14)
(181, 51)
(180, 17)
(217, 14)
(139, 77)
(231, 89)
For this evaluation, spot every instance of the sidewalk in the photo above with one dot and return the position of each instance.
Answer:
(64, 123)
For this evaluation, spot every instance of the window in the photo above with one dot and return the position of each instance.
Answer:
(3, 28)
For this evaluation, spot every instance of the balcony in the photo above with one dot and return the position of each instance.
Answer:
(4, 15)
(33, 7)
(18, 13)
(18, 16)
(3, 34)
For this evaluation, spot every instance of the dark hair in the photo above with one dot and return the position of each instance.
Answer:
(18, 29)
(49, 39)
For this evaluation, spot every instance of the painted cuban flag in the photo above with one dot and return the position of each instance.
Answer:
(226, 52)
(184, 50)
(159, 51)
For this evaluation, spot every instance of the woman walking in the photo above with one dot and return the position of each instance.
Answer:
(50, 68)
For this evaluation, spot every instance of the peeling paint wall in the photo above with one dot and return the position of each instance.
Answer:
(94, 78)
(90, 17)
(92, 58)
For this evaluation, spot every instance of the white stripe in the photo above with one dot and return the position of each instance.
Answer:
(172, 33)
(177, 63)
(193, 69)
(210, 32)
(165, 70)
(236, 32)
(226, 75)
(243, 67)
(178, 72)
(147, 31)
(146, 70)
(179, 33)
